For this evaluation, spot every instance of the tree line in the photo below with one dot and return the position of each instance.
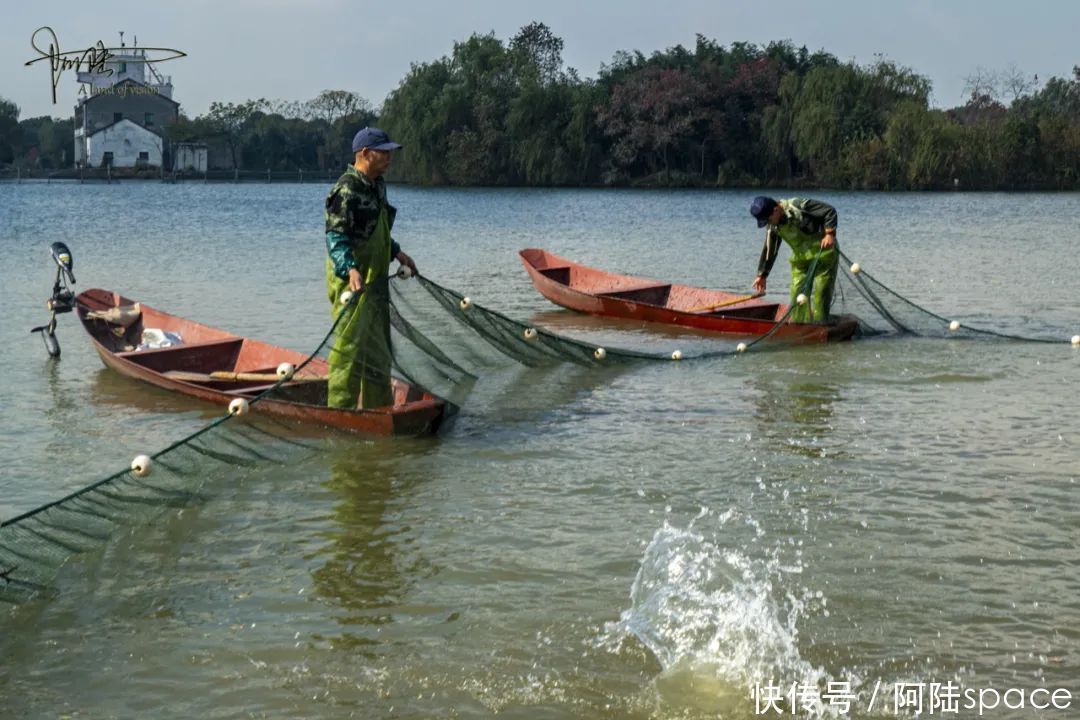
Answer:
(511, 113)
(34, 142)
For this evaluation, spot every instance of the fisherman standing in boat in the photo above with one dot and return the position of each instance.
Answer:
(358, 224)
(809, 228)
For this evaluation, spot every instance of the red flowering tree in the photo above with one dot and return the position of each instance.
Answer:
(652, 113)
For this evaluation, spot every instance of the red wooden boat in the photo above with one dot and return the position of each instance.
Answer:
(597, 292)
(199, 365)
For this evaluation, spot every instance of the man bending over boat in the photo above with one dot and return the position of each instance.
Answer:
(809, 228)
(358, 223)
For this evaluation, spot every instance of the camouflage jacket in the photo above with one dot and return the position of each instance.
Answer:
(352, 212)
(810, 217)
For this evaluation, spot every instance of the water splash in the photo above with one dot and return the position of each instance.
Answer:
(717, 621)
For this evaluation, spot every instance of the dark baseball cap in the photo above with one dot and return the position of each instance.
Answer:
(762, 208)
(374, 138)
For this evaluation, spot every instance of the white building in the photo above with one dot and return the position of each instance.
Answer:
(120, 117)
(190, 157)
(123, 144)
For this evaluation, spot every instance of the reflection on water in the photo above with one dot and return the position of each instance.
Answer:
(360, 571)
(797, 415)
(61, 400)
(798, 404)
(111, 388)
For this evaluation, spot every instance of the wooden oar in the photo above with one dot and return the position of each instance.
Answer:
(235, 376)
(736, 301)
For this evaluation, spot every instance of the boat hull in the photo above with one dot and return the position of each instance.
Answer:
(209, 350)
(596, 292)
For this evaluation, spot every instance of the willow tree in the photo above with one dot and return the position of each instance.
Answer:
(844, 105)
(542, 109)
(416, 115)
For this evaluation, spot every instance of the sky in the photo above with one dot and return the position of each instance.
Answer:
(293, 49)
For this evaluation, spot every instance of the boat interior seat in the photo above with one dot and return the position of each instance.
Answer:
(175, 349)
(307, 393)
(205, 357)
(652, 294)
(560, 274)
(316, 393)
(762, 311)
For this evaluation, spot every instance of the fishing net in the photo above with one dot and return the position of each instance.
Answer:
(440, 343)
(881, 310)
(429, 377)
(36, 544)
(522, 342)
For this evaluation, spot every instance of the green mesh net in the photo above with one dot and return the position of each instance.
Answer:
(438, 346)
(280, 418)
(883, 311)
(35, 545)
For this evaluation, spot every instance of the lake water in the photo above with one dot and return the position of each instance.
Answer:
(578, 544)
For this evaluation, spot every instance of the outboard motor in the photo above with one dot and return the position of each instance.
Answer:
(63, 297)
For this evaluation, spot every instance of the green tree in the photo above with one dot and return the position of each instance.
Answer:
(491, 112)
(333, 105)
(582, 137)
(837, 106)
(417, 113)
(537, 54)
(229, 121)
(10, 133)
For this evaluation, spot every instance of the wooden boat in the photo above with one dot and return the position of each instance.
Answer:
(218, 366)
(597, 292)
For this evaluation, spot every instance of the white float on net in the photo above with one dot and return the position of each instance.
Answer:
(141, 465)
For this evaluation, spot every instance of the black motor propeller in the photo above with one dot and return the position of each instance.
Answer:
(63, 297)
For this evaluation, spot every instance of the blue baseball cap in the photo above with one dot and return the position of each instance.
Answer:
(761, 209)
(374, 138)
